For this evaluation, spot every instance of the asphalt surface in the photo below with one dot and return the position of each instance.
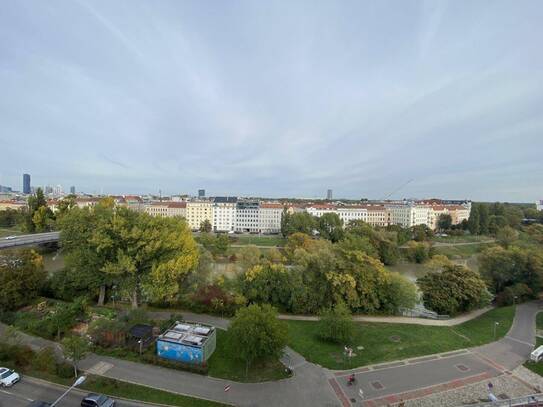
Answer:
(493, 359)
(29, 240)
(29, 389)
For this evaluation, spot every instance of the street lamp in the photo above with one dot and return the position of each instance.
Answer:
(79, 381)
(495, 325)
(141, 345)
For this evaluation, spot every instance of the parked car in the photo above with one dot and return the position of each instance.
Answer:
(97, 400)
(8, 377)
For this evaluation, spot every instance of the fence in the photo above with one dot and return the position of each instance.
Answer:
(535, 400)
(421, 313)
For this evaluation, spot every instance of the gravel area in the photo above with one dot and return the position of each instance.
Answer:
(530, 377)
(504, 386)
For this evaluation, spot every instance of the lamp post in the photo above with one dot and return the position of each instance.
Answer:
(141, 345)
(495, 325)
(79, 380)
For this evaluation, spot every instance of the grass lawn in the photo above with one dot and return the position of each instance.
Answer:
(536, 367)
(13, 231)
(463, 252)
(385, 342)
(116, 388)
(223, 365)
(273, 240)
(539, 320)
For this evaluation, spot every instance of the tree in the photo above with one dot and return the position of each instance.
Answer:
(205, 226)
(484, 219)
(35, 202)
(268, 283)
(474, 220)
(418, 252)
(256, 335)
(444, 222)
(336, 324)
(152, 254)
(141, 254)
(401, 292)
(249, 256)
(298, 222)
(506, 236)
(43, 219)
(438, 262)
(455, 289)
(75, 348)
(330, 227)
(22, 276)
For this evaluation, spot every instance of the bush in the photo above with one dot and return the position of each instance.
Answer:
(65, 370)
(336, 324)
(22, 355)
(45, 361)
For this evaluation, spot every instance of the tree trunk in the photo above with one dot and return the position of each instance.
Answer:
(102, 295)
(75, 369)
(135, 298)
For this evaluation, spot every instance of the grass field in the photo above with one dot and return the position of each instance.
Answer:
(273, 240)
(463, 252)
(10, 232)
(222, 364)
(383, 342)
(536, 367)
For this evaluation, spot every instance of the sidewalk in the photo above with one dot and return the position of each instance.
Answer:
(400, 320)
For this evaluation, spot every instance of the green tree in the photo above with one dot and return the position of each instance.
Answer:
(455, 289)
(22, 276)
(444, 222)
(330, 227)
(75, 348)
(506, 236)
(495, 223)
(256, 335)
(249, 256)
(205, 226)
(474, 224)
(401, 292)
(43, 219)
(418, 252)
(35, 202)
(336, 324)
(484, 219)
(298, 222)
(268, 283)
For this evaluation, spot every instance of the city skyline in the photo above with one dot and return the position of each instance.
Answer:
(245, 99)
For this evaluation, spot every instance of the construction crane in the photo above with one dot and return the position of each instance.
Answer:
(397, 189)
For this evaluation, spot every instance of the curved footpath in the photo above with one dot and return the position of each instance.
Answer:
(313, 385)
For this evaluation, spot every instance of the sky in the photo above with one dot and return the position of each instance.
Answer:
(371, 99)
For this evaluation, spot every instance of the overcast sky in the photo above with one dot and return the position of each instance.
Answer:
(274, 98)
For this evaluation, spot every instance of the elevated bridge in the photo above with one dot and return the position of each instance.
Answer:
(12, 242)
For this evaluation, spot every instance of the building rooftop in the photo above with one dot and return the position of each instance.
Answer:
(187, 333)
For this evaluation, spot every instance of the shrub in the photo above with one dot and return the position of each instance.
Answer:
(64, 370)
(45, 361)
(22, 355)
(336, 324)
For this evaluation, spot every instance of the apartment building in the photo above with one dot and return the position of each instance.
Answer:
(247, 217)
(224, 214)
(350, 213)
(269, 217)
(167, 209)
(198, 212)
(378, 215)
(15, 205)
(539, 205)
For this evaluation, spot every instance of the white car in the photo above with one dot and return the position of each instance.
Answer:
(8, 377)
(10, 237)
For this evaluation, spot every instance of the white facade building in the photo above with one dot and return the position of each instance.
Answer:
(539, 205)
(247, 217)
(224, 214)
(269, 217)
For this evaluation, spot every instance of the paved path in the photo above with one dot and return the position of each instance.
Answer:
(223, 322)
(427, 375)
(316, 386)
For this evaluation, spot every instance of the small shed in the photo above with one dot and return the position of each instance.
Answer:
(140, 336)
(187, 343)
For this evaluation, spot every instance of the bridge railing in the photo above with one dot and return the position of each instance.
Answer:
(534, 400)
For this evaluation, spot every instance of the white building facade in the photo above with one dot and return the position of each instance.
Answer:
(224, 214)
(269, 217)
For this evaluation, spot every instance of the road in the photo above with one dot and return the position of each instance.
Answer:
(29, 240)
(30, 389)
